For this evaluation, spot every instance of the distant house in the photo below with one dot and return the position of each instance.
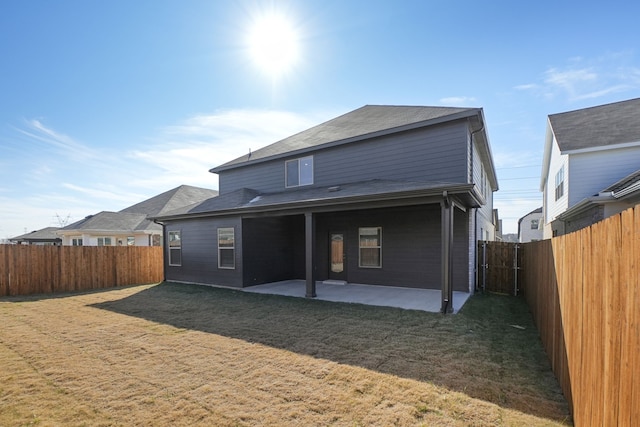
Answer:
(131, 226)
(530, 226)
(382, 195)
(590, 165)
(45, 236)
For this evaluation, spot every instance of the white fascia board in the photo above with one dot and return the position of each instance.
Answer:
(546, 158)
(602, 148)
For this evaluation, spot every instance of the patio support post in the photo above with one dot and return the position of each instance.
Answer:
(310, 253)
(447, 254)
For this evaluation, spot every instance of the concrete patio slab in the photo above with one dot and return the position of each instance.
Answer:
(387, 296)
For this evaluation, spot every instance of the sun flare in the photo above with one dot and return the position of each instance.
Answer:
(273, 44)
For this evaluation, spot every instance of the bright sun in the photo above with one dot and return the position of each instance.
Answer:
(273, 44)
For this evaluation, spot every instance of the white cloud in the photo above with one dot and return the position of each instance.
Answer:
(583, 78)
(68, 177)
(458, 101)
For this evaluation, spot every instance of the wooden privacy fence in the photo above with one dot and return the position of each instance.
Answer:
(32, 269)
(584, 293)
(499, 265)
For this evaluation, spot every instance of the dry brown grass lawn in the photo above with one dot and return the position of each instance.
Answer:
(175, 354)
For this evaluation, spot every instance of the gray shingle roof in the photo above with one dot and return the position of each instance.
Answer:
(245, 199)
(170, 200)
(110, 221)
(361, 122)
(604, 125)
(137, 217)
(48, 233)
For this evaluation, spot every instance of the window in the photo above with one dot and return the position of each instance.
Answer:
(76, 241)
(370, 242)
(104, 241)
(299, 172)
(534, 224)
(131, 241)
(560, 183)
(175, 248)
(226, 248)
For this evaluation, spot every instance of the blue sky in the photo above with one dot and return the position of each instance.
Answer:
(106, 103)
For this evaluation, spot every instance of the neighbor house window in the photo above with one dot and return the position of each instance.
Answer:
(299, 172)
(104, 241)
(76, 241)
(370, 242)
(226, 248)
(534, 224)
(131, 241)
(175, 248)
(560, 183)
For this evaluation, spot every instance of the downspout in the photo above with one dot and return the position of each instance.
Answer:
(164, 245)
(475, 212)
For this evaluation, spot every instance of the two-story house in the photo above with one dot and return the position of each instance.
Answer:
(530, 226)
(591, 157)
(382, 195)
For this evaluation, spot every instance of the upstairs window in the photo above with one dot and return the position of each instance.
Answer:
(534, 224)
(299, 172)
(560, 183)
(175, 248)
(226, 248)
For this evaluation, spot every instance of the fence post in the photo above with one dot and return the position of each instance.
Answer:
(484, 265)
(515, 271)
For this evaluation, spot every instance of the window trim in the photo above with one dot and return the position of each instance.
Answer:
(299, 161)
(227, 248)
(177, 248)
(77, 241)
(559, 187)
(104, 243)
(360, 247)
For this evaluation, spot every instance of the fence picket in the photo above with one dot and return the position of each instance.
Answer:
(26, 270)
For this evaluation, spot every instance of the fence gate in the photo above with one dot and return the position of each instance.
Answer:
(499, 266)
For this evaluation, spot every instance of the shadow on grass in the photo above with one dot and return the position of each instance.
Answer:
(490, 350)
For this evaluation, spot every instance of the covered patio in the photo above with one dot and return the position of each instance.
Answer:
(388, 296)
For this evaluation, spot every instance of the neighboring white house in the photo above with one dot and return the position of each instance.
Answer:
(530, 226)
(132, 226)
(590, 160)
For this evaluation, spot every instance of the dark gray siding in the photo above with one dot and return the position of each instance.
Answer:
(437, 153)
(273, 249)
(200, 252)
(411, 246)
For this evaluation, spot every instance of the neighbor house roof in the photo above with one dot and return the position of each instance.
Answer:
(43, 235)
(111, 221)
(364, 122)
(604, 125)
(246, 200)
(170, 200)
(137, 218)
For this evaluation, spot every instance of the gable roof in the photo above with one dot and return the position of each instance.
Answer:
(48, 233)
(364, 122)
(170, 200)
(137, 218)
(603, 125)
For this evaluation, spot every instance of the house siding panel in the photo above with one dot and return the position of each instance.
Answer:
(273, 249)
(200, 252)
(411, 246)
(438, 153)
(594, 171)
